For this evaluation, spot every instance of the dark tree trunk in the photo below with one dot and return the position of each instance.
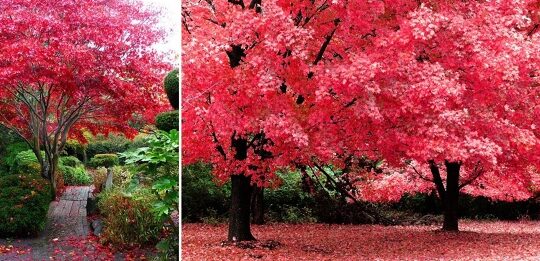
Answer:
(449, 196)
(452, 196)
(257, 205)
(239, 223)
(48, 168)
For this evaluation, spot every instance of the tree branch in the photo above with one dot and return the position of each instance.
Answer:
(477, 172)
(437, 179)
(319, 56)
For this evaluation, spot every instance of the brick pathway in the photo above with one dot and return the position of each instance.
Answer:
(66, 219)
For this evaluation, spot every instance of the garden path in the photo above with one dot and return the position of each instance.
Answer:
(66, 226)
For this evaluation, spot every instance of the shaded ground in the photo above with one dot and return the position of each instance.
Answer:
(478, 240)
(66, 236)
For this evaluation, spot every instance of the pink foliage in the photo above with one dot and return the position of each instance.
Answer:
(403, 81)
(91, 55)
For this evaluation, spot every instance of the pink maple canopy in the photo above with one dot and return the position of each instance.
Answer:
(402, 81)
(94, 54)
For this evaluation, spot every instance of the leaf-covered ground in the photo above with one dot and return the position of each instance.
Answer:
(477, 240)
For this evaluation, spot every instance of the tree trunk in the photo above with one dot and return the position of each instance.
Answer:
(452, 196)
(257, 205)
(48, 171)
(239, 223)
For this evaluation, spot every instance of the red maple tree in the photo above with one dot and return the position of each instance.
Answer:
(458, 94)
(451, 86)
(69, 66)
(257, 108)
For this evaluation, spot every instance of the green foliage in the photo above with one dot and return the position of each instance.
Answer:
(26, 162)
(70, 161)
(128, 217)
(138, 142)
(469, 206)
(159, 161)
(172, 84)
(419, 203)
(24, 202)
(9, 153)
(75, 175)
(76, 149)
(111, 144)
(167, 121)
(289, 203)
(10, 145)
(122, 176)
(202, 199)
(160, 156)
(104, 160)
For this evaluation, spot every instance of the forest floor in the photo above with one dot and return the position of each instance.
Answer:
(477, 240)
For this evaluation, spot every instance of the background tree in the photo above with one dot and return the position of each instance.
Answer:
(458, 103)
(72, 66)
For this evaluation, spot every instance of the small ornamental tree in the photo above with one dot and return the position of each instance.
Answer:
(172, 88)
(167, 121)
(69, 66)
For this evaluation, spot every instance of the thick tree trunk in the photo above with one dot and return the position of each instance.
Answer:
(239, 223)
(257, 205)
(452, 196)
(449, 196)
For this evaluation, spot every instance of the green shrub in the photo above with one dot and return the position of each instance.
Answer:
(76, 149)
(167, 121)
(419, 203)
(24, 203)
(26, 162)
(111, 144)
(172, 84)
(10, 145)
(99, 176)
(202, 199)
(289, 203)
(7, 159)
(138, 142)
(104, 160)
(70, 161)
(75, 175)
(127, 217)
